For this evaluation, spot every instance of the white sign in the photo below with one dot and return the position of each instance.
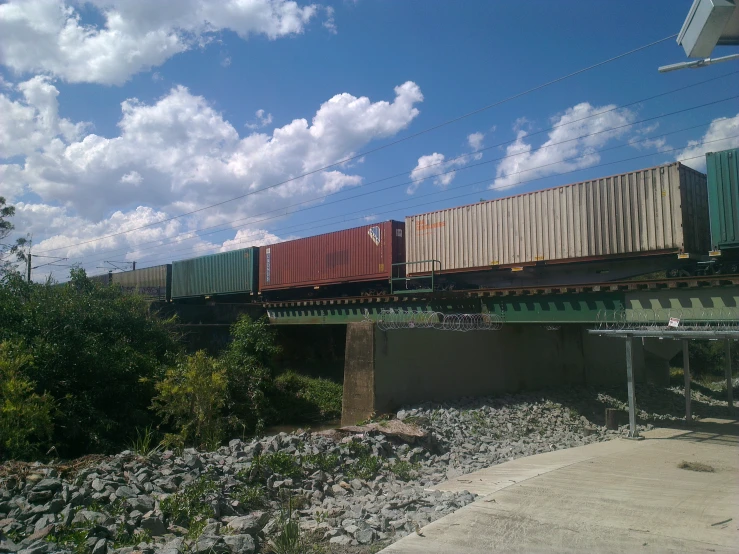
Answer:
(674, 322)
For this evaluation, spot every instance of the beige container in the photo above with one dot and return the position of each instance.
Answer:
(657, 210)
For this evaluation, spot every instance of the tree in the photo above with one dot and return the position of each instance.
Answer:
(9, 252)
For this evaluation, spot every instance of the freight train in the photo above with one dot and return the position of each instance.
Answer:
(668, 218)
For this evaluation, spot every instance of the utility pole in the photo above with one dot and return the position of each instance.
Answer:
(28, 262)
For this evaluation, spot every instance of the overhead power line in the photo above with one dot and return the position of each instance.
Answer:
(514, 185)
(228, 224)
(384, 146)
(281, 211)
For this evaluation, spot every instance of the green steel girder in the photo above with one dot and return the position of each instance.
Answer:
(715, 303)
(560, 308)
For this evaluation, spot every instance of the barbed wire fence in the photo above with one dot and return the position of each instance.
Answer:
(688, 319)
(398, 318)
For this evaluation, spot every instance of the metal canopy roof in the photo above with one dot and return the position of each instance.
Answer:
(714, 334)
(710, 23)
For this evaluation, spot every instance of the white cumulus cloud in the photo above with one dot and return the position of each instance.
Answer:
(576, 136)
(262, 120)
(49, 36)
(722, 134)
(187, 155)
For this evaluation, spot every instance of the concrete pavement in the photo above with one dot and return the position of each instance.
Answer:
(618, 496)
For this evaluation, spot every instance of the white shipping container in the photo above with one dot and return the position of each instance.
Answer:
(657, 210)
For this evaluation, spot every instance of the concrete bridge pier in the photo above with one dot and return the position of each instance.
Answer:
(385, 370)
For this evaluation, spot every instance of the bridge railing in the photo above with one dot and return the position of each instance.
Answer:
(410, 280)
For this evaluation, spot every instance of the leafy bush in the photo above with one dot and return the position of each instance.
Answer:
(191, 506)
(191, 397)
(25, 417)
(95, 350)
(302, 398)
(280, 463)
(248, 362)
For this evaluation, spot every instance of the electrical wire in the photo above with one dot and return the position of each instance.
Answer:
(396, 209)
(282, 210)
(382, 147)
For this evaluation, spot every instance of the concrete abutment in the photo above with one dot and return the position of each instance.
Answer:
(385, 370)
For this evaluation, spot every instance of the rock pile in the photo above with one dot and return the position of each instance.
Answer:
(344, 488)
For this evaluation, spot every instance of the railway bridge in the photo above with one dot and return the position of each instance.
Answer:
(408, 348)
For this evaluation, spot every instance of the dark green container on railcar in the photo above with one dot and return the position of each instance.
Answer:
(234, 272)
(723, 198)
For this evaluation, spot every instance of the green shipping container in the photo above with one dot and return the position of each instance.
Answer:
(723, 198)
(234, 272)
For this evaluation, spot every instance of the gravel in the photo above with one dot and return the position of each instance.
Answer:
(348, 491)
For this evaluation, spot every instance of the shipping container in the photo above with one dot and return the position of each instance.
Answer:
(152, 282)
(233, 272)
(103, 279)
(662, 209)
(358, 255)
(723, 198)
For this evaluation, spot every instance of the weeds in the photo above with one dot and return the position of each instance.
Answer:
(280, 463)
(289, 539)
(70, 537)
(322, 461)
(402, 470)
(696, 466)
(252, 497)
(190, 508)
(365, 467)
(142, 444)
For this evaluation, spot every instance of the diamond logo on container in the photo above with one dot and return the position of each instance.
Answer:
(374, 233)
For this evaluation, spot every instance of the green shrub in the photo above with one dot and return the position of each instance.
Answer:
(301, 398)
(248, 362)
(191, 397)
(95, 350)
(25, 417)
(280, 463)
(191, 507)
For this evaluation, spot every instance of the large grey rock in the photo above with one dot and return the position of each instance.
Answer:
(125, 492)
(88, 516)
(175, 546)
(154, 525)
(48, 485)
(38, 547)
(245, 525)
(240, 543)
(101, 547)
(341, 540)
(365, 536)
(141, 503)
(208, 544)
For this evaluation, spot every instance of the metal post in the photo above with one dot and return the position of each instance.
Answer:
(686, 373)
(633, 433)
(729, 384)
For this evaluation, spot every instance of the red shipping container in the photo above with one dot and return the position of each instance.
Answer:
(354, 255)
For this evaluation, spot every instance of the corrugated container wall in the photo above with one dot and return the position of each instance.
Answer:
(103, 279)
(233, 272)
(659, 209)
(154, 282)
(353, 255)
(723, 197)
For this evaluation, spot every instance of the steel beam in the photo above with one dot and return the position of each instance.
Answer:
(633, 433)
(635, 302)
(729, 383)
(686, 374)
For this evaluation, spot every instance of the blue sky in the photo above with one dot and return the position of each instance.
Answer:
(121, 114)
